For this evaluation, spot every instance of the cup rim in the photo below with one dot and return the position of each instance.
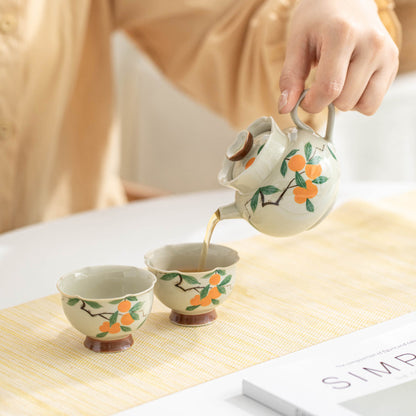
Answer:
(62, 278)
(148, 255)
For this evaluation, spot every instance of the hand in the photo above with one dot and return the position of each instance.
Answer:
(355, 56)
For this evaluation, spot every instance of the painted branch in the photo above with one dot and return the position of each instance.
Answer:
(102, 314)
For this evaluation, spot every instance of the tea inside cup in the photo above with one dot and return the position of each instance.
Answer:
(192, 294)
(107, 304)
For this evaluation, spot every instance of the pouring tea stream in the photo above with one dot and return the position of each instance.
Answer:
(286, 182)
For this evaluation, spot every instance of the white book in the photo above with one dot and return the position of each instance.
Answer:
(371, 372)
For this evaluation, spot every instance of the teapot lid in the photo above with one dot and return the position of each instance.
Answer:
(253, 155)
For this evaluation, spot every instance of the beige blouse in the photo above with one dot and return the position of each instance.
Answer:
(57, 148)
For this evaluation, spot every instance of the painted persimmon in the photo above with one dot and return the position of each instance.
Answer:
(313, 171)
(206, 301)
(214, 293)
(126, 319)
(296, 163)
(124, 306)
(195, 301)
(302, 194)
(105, 327)
(214, 279)
(250, 162)
(114, 328)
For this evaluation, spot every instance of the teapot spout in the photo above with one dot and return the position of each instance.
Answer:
(228, 212)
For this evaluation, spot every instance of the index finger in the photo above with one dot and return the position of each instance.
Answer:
(330, 75)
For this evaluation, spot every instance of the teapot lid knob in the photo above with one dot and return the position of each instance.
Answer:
(241, 147)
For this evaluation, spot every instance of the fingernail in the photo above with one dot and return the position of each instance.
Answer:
(282, 100)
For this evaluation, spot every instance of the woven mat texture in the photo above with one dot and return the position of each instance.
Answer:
(356, 269)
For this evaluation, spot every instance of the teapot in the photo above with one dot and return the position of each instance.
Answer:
(286, 181)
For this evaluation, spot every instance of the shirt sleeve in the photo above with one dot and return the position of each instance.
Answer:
(226, 54)
(390, 20)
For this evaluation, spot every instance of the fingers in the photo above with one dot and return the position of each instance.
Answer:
(331, 73)
(355, 56)
(370, 75)
(374, 92)
(355, 84)
(294, 73)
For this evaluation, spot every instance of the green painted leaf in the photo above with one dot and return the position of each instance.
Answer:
(72, 301)
(268, 190)
(309, 206)
(94, 305)
(208, 275)
(315, 160)
(169, 276)
(131, 298)
(283, 168)
(299, 180)
(260, 148)
(125, 328)
(101, 334)
(215, 301)
(190, 279)
(221, 289)
(225, 281)
(221, 272)
(136, 307)
(191, 308)
(320, 179)
(204, 291)
(308, 150)
(291, 153)
(134, 316)
(113, 318)
(332, 153)
(116, 302)
(254, 200)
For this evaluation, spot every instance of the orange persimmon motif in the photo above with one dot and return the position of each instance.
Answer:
(124, 306)
(250, 162)
(208, 294)
(125, 315)
(296, 163)
(302, 194)
(313, 171)
(214, 279)
(206, 301)
(214, 293)
(126, 319)
(195, 301)
(217, 283)
(307, 175)
(112, 329)
(105, 326)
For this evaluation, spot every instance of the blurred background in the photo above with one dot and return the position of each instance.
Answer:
(174, 144)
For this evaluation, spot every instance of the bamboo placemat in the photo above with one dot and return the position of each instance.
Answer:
(355, 269)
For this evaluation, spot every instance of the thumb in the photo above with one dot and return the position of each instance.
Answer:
(295, 70)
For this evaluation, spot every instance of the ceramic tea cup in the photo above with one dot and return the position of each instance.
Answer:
(192, 295)
(107, 304)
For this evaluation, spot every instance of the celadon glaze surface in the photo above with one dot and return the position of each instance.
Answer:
(287, 182)
(107, 302)
(184, 289)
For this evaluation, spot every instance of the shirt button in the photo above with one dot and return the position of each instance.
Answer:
(7, 23)
(6, 130)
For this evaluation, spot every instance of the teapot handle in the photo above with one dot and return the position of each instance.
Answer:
(300, 125)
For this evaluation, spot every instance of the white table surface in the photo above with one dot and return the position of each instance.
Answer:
(33, 258)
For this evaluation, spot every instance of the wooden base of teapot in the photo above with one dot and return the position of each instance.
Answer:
(193, 320)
